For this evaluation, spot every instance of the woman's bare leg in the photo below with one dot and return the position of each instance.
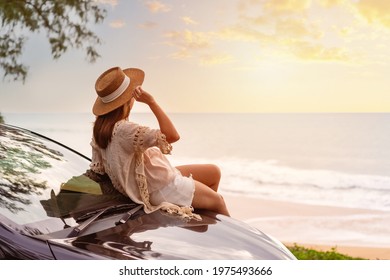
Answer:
(206, 178)
(206, 198)
(208, 174)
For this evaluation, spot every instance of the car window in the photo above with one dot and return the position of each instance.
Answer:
(42, 182)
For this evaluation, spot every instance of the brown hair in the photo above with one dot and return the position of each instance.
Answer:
(104, 125)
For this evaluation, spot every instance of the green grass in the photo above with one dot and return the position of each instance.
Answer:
(302, 253)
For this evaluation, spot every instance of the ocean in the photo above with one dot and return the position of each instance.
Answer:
(323, 159)
(330, 159)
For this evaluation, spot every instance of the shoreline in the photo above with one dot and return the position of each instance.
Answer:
(360, 233)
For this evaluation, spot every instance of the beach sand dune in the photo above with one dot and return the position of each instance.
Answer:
(355, 232)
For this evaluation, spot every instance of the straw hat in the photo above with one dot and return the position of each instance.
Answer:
(115, 87)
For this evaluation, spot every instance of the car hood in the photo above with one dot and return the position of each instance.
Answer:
(158, 236)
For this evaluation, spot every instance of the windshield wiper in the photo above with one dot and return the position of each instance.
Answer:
(116, 207)
(128, 215)
(82, 227)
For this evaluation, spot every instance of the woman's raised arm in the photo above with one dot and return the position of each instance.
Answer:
(165, 123)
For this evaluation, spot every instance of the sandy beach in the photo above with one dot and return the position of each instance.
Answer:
(355, 232)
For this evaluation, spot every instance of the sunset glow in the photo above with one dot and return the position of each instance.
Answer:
(226, 56)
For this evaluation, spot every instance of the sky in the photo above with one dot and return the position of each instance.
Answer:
(233, 56)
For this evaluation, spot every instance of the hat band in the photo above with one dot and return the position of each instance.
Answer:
(118, 92)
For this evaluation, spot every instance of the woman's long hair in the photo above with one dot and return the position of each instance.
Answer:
(104, 125)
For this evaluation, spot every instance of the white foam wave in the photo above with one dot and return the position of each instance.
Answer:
(268, 179)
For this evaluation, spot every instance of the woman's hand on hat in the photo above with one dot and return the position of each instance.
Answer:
(143, 96)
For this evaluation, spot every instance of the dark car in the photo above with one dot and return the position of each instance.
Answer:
(53, 207)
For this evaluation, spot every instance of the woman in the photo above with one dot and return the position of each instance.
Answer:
(133, 155)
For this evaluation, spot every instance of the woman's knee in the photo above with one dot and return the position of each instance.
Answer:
(221, 206)
(215, 176)
(216, 171)
(200, 172)
(221, 201)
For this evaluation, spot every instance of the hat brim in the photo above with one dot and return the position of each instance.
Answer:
(136, 79)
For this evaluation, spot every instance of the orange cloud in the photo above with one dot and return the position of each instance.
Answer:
(117, 24)
(332, 3)
(286, 6)
(215, 59)
(288, 27)
(108, 2)
(188, 20)
(297, 27)
(189, 39)
(243, 34)
(312, 51)
(375, 11)
(301, 28)
(198, 46)
(275, 8)
(157, 7)
(147, 25)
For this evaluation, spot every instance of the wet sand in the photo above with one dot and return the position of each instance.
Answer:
(356, 232)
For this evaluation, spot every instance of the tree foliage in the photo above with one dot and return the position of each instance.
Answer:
(20, 166)
(65, 22)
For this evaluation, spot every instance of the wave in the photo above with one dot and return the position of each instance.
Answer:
(269, 179)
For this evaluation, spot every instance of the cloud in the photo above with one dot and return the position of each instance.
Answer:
(198, 46)
(189, 40)
(297, 27)
(147, 25)
(188, 21)
(312, 51)
(344, 32)
(157, 7)
(214, 59)
(117, 24)
(317, 30)
(375, 11)
(108, 2)
(332, 3)
(288, 27)
(243, 34)
(285, 6)
(275, 8)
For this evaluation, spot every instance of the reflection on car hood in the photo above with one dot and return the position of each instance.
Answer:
(158, 236)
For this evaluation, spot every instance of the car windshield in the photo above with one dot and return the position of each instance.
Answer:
(45, 186)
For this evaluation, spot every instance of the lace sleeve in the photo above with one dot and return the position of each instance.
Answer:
(96, 163)
(162, 143)
(146, 137)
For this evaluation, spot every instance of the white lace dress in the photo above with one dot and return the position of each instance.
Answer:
(135, 162)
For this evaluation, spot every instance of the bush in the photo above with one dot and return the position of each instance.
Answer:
(302, 253)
